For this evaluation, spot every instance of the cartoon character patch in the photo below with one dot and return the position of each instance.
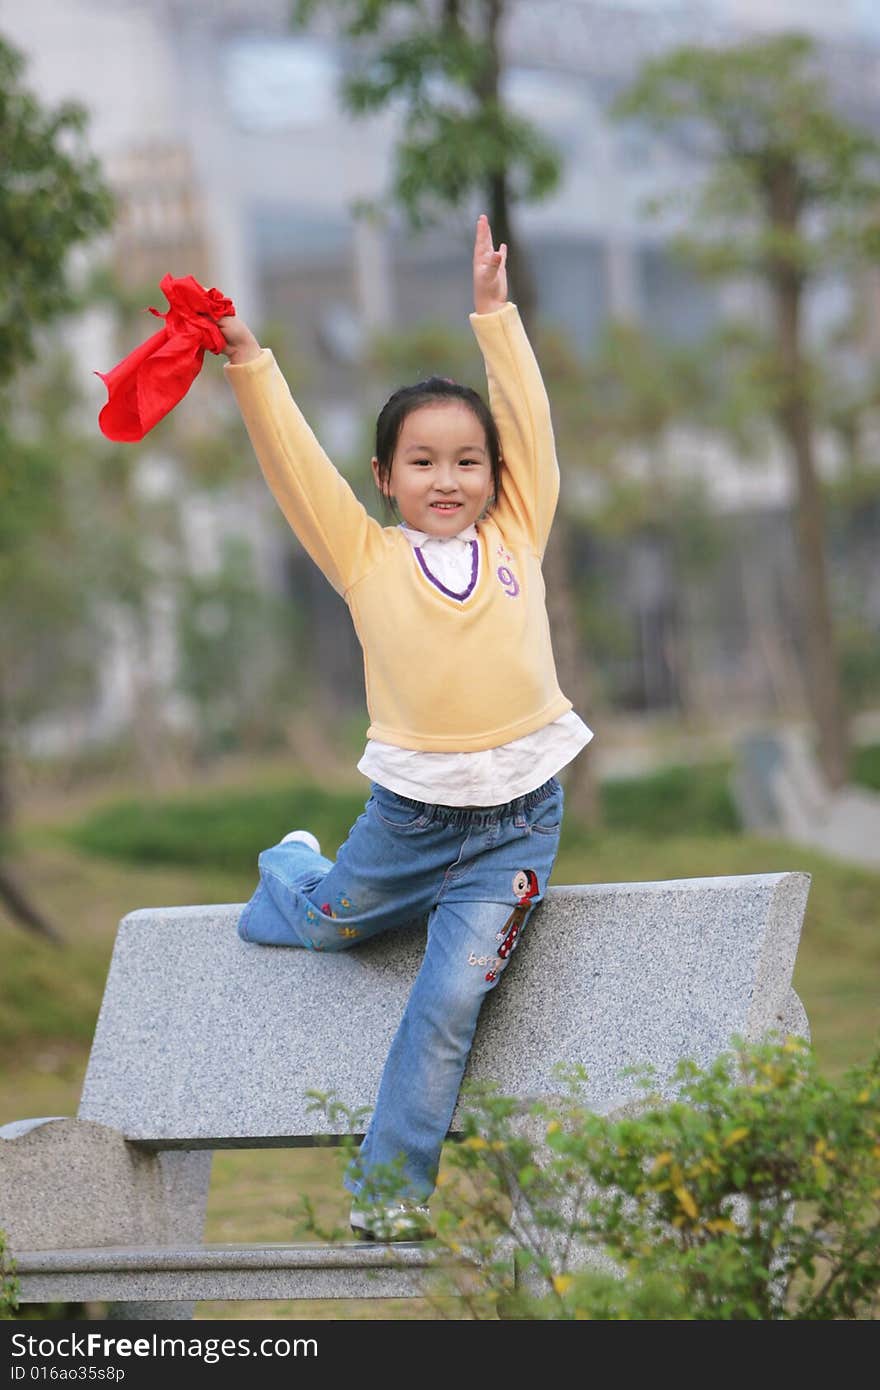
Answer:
(525, 884)
(525, 887)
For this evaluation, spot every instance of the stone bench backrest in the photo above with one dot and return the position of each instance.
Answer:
(207, 1041)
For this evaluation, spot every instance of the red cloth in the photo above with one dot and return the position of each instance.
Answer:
(149, 382)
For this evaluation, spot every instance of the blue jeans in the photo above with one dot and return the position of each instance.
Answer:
(475, 874)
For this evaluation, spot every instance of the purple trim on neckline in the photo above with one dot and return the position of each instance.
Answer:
(475, 556)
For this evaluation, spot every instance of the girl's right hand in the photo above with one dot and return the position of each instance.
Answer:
(490, 270)
(241, 345)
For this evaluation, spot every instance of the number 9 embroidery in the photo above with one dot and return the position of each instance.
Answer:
(509, 580)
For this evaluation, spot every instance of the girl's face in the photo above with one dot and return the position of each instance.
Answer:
(441, 473)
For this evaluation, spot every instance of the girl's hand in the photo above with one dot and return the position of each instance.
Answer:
(490, 270)
(241, 345)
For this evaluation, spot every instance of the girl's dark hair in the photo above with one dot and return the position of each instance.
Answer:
(429, 392)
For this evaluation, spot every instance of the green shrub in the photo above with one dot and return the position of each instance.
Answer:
(866, 766)
(225, 831)
(751, 1194)
(676, 800)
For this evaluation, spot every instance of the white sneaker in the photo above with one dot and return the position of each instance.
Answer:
(305, 837)
(398, 1221)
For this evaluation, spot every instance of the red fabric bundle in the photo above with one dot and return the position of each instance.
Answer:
(149, 382)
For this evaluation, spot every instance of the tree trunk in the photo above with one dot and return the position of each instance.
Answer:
(582, 793)
(488, 94)
(12, 894)
(821, 658)
(578, 778)
(822, 662)
(22, 910)
(518, 265)
(154, 764)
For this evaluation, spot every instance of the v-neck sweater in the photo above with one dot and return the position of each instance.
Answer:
(445, 671)
(491, 776)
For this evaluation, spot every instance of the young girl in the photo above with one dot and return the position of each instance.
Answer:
(468, 723)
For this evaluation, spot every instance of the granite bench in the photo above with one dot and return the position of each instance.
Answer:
(206, 1042)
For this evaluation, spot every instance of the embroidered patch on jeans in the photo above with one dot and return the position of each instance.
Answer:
(483, 960)
(525, 886)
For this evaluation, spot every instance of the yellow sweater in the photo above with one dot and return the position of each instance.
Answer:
(443, 673)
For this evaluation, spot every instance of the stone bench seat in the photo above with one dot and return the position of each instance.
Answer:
(206, 1042)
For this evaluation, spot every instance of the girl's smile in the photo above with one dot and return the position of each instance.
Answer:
(441, 474)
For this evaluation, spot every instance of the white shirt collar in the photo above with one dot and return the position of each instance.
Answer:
(421, 537)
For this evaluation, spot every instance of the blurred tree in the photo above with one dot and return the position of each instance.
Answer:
(52, 197)
(623, 409)
(791, 192)
(443, 65)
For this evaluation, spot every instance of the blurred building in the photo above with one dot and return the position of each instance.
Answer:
(160, 221)
(221, 132)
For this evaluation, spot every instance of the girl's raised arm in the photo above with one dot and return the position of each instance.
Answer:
(530, 474)
(322, 510)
